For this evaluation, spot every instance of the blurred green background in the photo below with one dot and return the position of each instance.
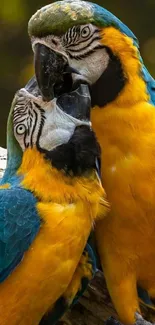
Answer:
(16, 61)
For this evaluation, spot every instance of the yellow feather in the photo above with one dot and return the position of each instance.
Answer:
(4, 186)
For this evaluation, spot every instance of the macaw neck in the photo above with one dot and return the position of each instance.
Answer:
(39, 176)
(50, 184)
(111, 82)
(134, 92)
(78, 156)
(14, 154)
(121, 84)
(121, 130)
(121, 93)
(127, 65)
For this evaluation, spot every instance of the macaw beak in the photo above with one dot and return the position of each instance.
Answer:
(77, 103)
(52, 72)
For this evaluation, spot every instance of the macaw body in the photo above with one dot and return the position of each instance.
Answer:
(106, 54)
(46, 216)
(126, 132)
(125, 239)
(47, 267)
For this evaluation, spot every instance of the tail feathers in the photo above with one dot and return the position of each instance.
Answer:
(145, 300)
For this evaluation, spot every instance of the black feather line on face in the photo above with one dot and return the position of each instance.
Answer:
(82, 42)
(85, 55)
(78, 155)
(72, 50)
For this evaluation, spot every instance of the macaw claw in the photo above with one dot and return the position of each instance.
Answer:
(139, 321)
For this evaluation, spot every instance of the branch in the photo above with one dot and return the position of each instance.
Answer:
(95, 305)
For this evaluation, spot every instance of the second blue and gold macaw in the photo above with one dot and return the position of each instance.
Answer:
(104, 53)
(50, 196)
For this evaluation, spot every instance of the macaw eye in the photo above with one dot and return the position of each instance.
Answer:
(20, 129)
(85, 32)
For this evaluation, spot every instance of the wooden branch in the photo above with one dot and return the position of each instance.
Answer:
(95, 306)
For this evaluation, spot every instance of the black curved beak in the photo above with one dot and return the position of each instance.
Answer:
(52, 72)
(77, 103)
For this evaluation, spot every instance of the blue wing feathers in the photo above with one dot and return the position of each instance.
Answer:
(150, 82)
(6, 272)
(19, 224)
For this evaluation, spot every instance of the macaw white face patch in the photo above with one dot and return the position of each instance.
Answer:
(36, 122)
(91, 67)
(81, 46)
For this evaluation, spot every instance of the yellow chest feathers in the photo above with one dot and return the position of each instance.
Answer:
(127, 138)
(52, 186)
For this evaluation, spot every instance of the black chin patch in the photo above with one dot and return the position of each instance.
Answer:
(78, 155)
(110, 83)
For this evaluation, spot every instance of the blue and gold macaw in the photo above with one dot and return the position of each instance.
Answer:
(50, 196)
(104, 53)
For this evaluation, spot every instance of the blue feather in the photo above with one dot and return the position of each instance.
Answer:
(19, 224)
(106, 18)
(150, 82)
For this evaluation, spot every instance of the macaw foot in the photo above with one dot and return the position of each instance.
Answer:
(139, 321)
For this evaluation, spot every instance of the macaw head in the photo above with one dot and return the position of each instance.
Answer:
(77, 40)
(60, 129)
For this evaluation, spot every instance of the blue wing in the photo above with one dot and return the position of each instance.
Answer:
(150, 82)
(19, 224)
